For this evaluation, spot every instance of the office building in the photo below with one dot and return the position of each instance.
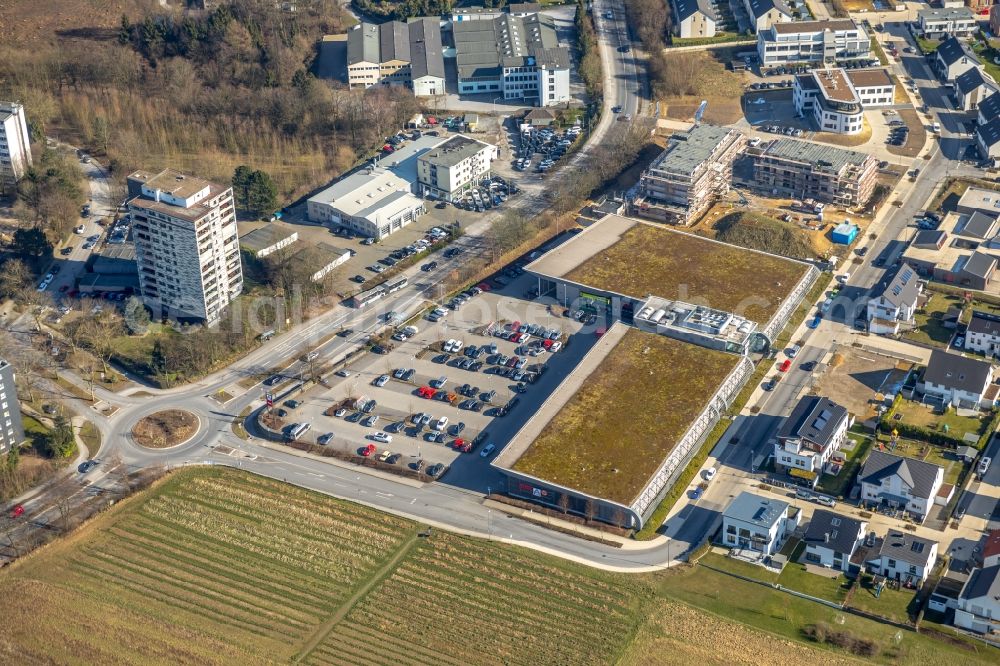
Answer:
(454, 167)
(836, 98)
(514, 57)
(812, 42)
(15, 146)
(11, 428)
(395, 53)
(694, 169)
(802, 170)
(186, 244)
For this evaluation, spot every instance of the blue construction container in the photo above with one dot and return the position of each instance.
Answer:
(844, 233)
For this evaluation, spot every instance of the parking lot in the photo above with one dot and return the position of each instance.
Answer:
(448, 407)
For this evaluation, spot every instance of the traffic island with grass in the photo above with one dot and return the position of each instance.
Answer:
(170, 427)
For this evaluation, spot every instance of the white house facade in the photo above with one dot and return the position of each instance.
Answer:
(901, 483)
(831, 539)
(756, 523)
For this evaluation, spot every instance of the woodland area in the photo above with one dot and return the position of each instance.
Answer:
(204, 92)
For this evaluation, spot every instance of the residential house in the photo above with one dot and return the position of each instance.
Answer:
(694, 18)
(765, 13)
(831, 539)
(902, 483)
(979, 602)
(808, 438)
(905, 557)
(991, 549)
(983, 333)
(988, 109)
(978, 198)
(946, 22)
(952, 58)
(693, 170)
(956, 380)
(756, 523)
(812, 41)
(988, 140)
(897, 303)
(972, 87)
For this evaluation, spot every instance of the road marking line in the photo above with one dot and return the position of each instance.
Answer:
(378, 492)
(413, 500)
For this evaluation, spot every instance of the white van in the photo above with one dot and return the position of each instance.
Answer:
(441, 423)
(936, 128)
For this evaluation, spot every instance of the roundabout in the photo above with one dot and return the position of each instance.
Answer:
(165, 429)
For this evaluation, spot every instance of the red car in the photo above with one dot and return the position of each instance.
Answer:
(462, 445)
(17, 511)
(483, 286)
(783, 367)
(426, 392)
(367, 451)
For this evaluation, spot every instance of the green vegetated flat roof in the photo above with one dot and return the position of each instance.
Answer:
(652, 260)
(617, 429)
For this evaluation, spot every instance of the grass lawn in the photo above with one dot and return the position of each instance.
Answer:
(627, 416)
(987, 53)
(650, 259)
(738, 567)
(928, 45)
(930, 329)
(891, 604)
(786, 616)
(91, 436)
(932, 454)
(35, 431)
(879, 51)
(924, 416)
(838, 485)
(795, 577)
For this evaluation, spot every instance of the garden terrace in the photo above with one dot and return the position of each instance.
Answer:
(616, 418)
(638, 259)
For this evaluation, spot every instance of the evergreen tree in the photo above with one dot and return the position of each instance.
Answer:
(262, 194)
(241, 185)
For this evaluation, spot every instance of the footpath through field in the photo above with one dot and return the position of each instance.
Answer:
(325, 628)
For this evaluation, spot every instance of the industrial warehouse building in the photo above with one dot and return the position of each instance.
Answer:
(384, 197)
(681, 363)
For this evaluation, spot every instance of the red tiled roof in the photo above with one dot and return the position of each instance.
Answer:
(992, 546)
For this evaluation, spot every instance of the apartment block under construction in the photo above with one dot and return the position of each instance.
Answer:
(694, 169)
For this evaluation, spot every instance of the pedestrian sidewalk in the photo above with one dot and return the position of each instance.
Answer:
(583, 531)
